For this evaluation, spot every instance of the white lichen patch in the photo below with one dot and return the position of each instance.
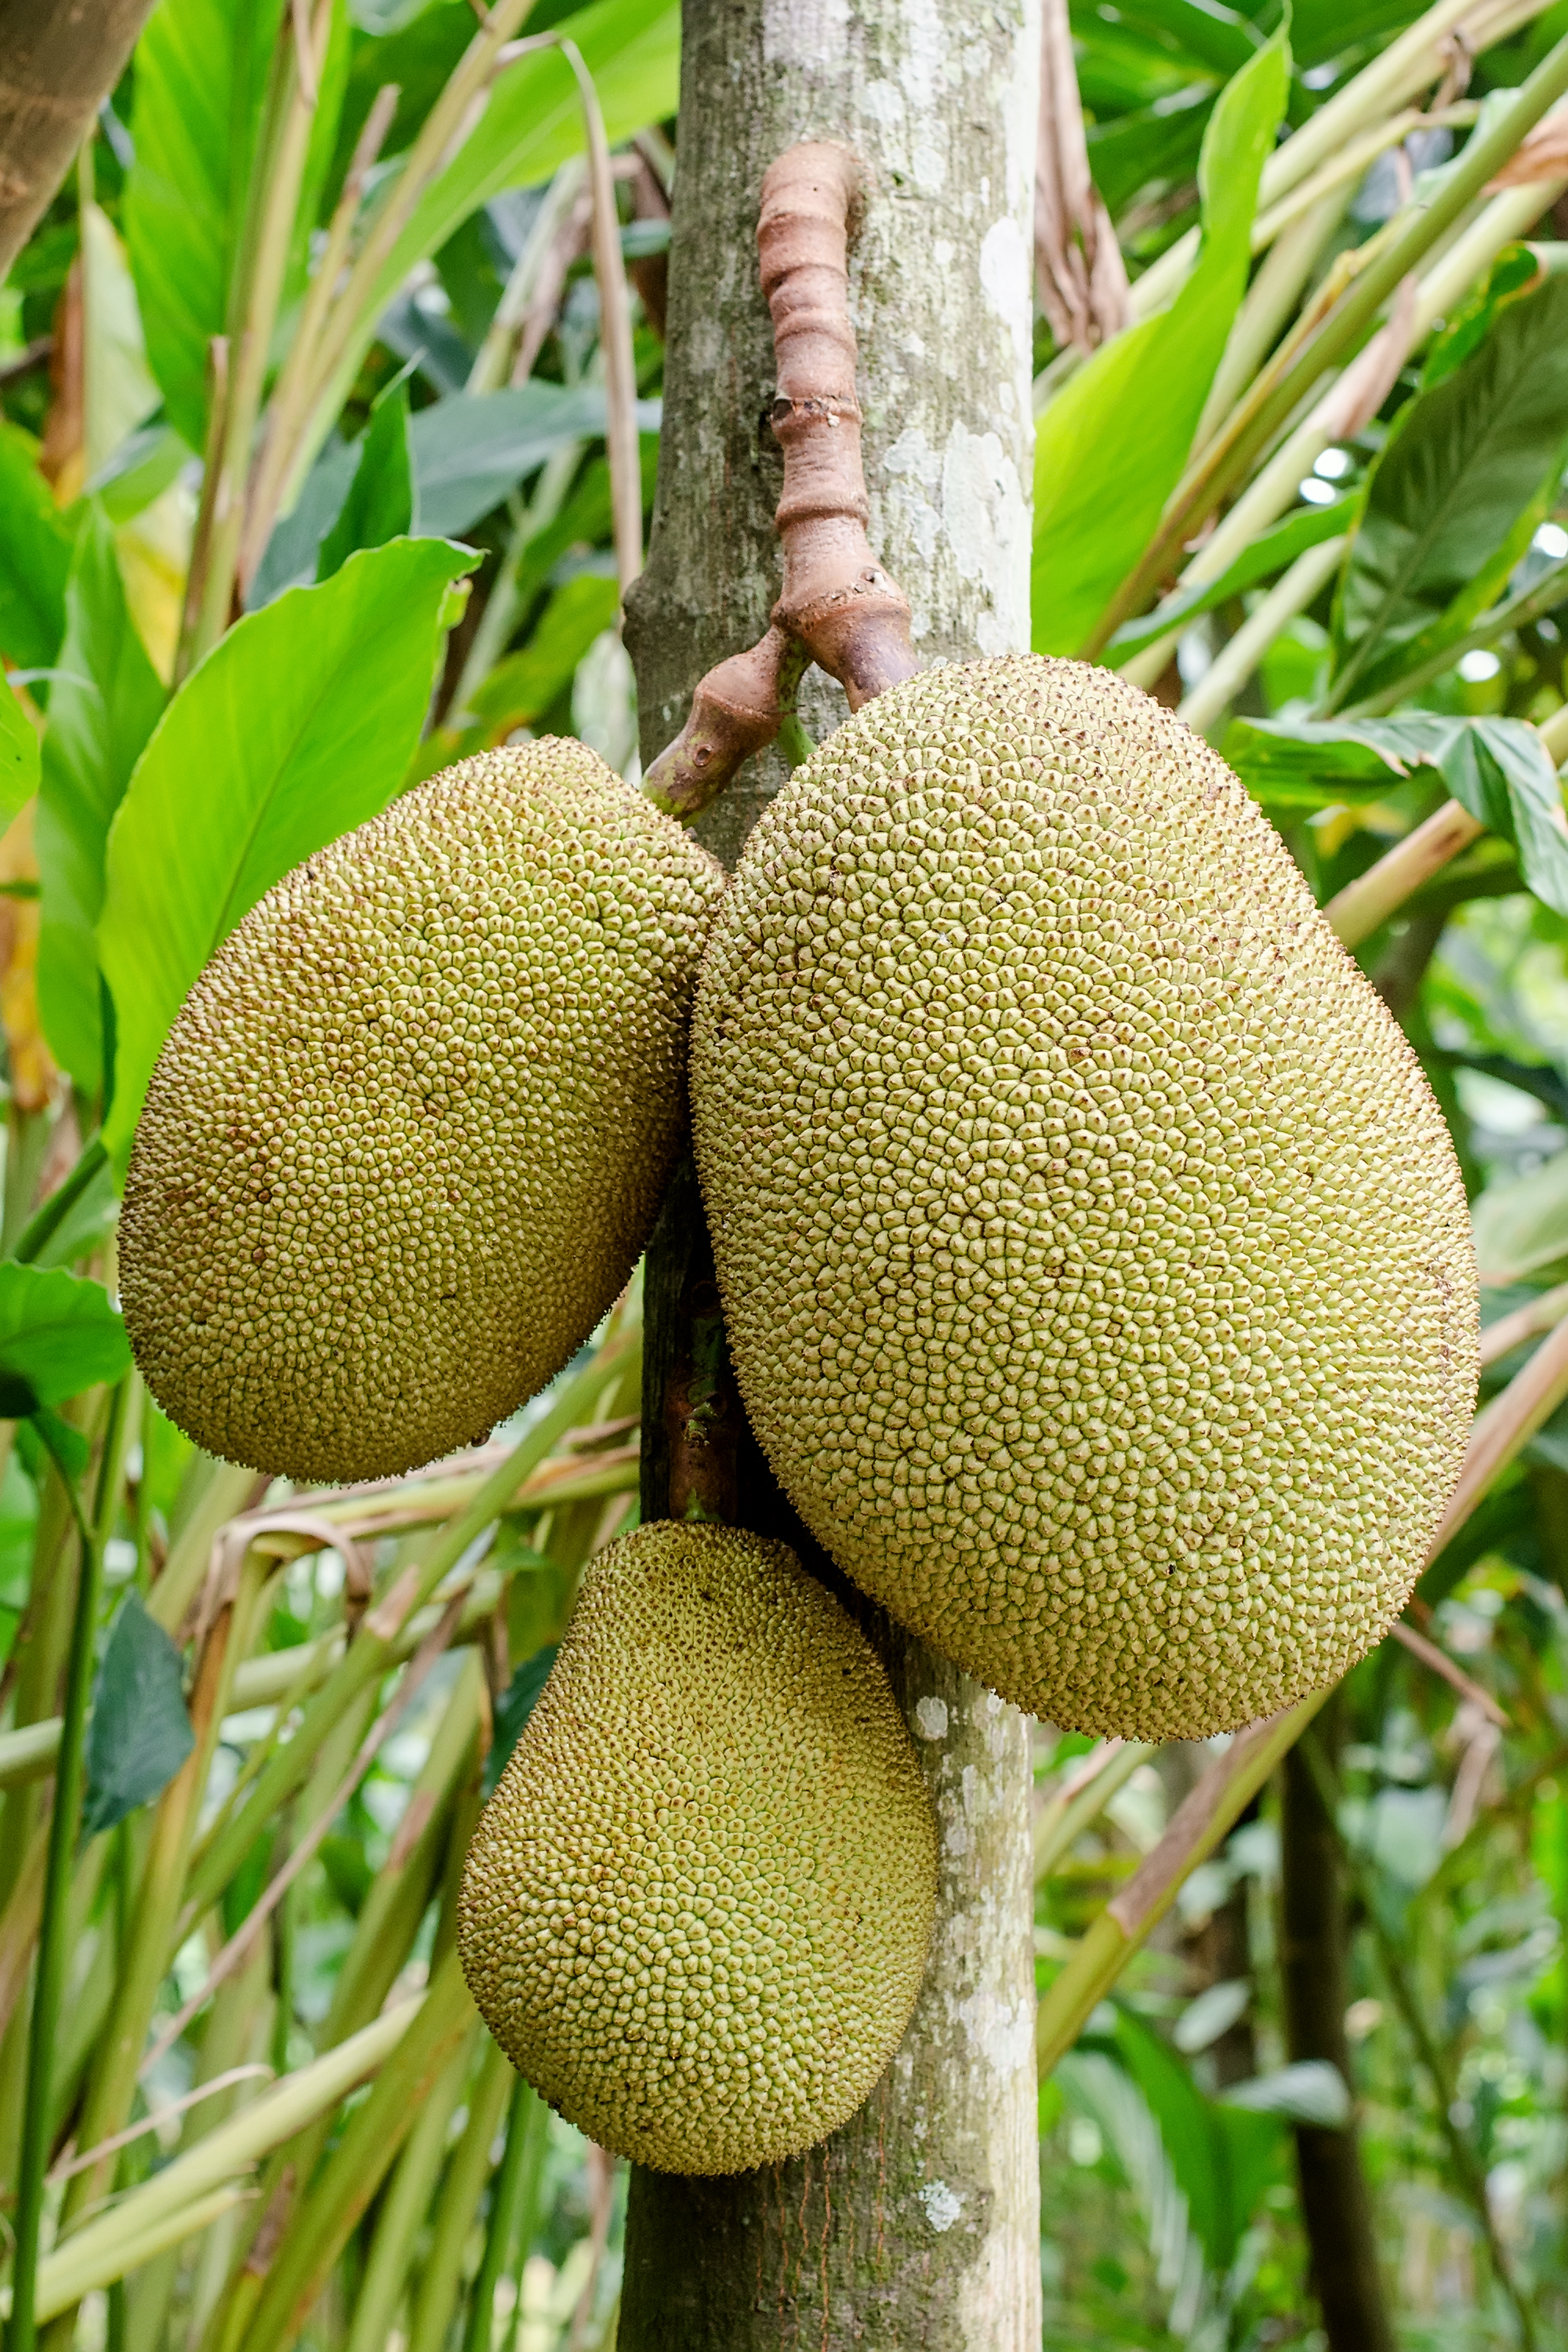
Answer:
(941, 2205)
(931, 1718)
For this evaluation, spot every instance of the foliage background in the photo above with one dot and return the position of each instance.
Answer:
(444, 578)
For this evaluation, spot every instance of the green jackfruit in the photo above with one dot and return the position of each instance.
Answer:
(409, 1131)
(1094, 1256)
(696, 1912)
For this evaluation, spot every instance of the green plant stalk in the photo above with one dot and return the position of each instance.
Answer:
(1060, 1825)
(358, 2165)
(112, 2083)
(370, 1654)
(1267, 406)
(256, 291)
(1269, 303)
(1266, 496)
(222, 1494)
(440, 2280)
(1205, 1818)
(304, 392)
(1516, 614)
(22, 2335)
(45, 1222)
(504, 604)
(1240, 656)
(116, 2241)
(514, 2201)
(403, 2206)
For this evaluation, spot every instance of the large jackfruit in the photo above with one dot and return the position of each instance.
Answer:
(1095, 1259)
(409, 1131)
(696, 1912)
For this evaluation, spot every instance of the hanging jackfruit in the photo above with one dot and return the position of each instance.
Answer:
(1094, 1256)
(409, 1131)
(697, 1910)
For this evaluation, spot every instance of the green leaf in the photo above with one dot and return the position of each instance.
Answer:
(58, 1335)
(35, 556)
(517, 1702)
(142, 467)
(380, 501)
(471, 449)
(297, 727)
(1310, 2092)
(524, 686)
(103, 706)
(139, 1733)
(201, 73)
(1202, 2146)
(1456, 490)
(1498, 769)
(1521, 1225)
(1110, 448)
(1272, 552)
(18, 754)
(532, 123)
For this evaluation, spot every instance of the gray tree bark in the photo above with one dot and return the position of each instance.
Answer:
(917, 2225)
(58, 59)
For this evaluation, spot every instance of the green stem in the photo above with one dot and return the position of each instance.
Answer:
(65, 1821)
(513, 2207)
(1255, 421)
(45, 1222)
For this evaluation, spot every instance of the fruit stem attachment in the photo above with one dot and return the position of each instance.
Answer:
(838, 608)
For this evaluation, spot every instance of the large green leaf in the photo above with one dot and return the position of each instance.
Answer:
(103, 705)
(139, 1733)
(1271, 552)
(298, 726)
(1497, 768)
(58, 1335)
(35, 556)
(1110, 448)
(201, 77)
(380, 502)
(532, 122)
(18, 754)
(1222, 2160)
(1456, 493)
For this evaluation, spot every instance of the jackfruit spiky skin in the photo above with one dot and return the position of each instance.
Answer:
(696, 1912)
(1094, 1256)
(410, 1128)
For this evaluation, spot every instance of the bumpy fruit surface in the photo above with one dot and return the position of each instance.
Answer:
(696, 1912)
(409, 1131)
(1094, 1256)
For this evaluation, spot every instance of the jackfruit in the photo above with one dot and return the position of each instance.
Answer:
(1094, 1256)
(409, 1131)
(696, 1912)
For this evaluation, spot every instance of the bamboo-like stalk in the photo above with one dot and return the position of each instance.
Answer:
(1082, 1799)
(402, 2207)
(112, 2082)
(1270, 403)
(321, 2223)
(368, 1656)
(440, 2280)
(115, 2241)
(1511, 1331)
(284, 414)
(514, 2200)
(1240, 656)
(1274, 487)
(615, 334)
(258, 290)
(64, 1822)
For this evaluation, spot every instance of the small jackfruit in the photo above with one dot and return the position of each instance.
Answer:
(1094, 1256)
(410, 1128)
(697, 1910)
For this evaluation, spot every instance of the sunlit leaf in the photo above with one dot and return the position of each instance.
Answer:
(1110, 448)
(58, 1335)
(297, 727)
(18, 754)
(35, 556)
(103, 706)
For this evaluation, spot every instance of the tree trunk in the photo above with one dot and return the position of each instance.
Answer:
(58, 59)
(917, 2225)
(1335, 2205)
